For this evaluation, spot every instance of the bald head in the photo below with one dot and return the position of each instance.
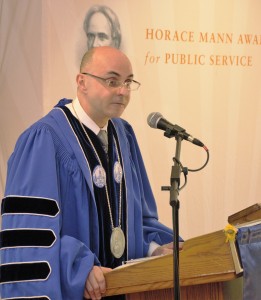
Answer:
(102, 55)
(102, 101)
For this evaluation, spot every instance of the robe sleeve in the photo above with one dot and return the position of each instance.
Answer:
(38, 259)
(153, 230)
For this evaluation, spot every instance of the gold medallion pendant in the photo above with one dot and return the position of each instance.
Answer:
(117, 242)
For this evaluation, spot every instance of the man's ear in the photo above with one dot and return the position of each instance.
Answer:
(81, 82)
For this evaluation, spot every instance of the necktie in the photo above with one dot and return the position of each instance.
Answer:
(104, 139)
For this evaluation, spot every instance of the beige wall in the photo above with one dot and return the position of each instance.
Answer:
(213, 90)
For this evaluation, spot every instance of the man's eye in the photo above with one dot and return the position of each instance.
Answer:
(113, 83)
(128, 83)
(90, 36)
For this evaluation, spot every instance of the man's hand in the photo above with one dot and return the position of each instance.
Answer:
(95, 286)
(166, 249)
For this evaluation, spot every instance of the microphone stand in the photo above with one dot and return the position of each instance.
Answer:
(179, 133)
(174, 202)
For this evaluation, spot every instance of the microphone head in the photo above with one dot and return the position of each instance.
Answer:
(153, 119)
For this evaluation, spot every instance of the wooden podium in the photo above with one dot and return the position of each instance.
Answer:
(206, 263)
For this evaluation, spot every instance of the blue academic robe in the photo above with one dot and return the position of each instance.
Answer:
(49, 232)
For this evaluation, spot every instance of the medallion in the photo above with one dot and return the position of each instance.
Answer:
(117, 242)
(117, 172)
(99, 176)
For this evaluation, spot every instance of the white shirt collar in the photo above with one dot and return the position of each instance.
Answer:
(84, 118)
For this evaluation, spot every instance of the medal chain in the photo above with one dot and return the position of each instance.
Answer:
(99, 160)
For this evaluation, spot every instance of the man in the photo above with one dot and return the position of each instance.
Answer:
(74, 210)
(102, 27)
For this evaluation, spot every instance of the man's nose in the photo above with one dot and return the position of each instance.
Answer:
(96, 42)
(123, 90)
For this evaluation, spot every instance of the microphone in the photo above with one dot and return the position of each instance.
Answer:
(156, 120)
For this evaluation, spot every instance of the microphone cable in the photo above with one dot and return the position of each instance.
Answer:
(185, 170)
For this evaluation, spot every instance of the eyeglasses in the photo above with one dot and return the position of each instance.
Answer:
(129, 84)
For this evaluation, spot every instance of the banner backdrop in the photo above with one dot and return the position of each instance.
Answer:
(199, 64)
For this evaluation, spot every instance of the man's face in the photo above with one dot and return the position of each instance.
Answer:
(99, 31)
(101, 102)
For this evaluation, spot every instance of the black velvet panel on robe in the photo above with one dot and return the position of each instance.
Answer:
(105, 256)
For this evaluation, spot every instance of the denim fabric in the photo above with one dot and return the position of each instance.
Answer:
(249, 242)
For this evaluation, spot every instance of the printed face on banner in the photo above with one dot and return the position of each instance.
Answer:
(102, 27)
(99, 32)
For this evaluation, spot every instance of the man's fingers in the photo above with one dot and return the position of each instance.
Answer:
(95, 285)
(91, 292)
(166, 249)
(181, 245)
(106, 270)
(86, 294)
